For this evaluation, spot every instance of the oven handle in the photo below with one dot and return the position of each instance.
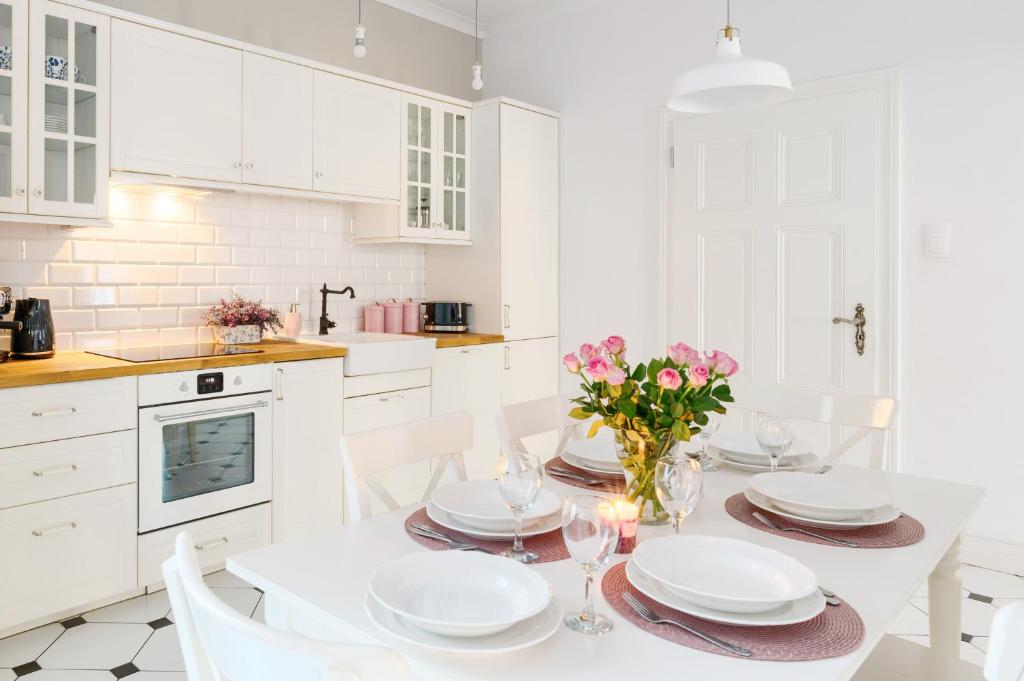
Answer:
(206, 412)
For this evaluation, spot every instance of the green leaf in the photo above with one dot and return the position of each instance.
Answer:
(722, 392)
(580, 414)
(676, 410)
(626, 406)
(639, 372)
(705, 403)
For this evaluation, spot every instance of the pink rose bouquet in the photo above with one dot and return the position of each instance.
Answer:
(241, 312)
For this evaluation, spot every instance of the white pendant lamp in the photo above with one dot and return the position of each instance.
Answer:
(478, 69)
(359, 46)
(730, 82)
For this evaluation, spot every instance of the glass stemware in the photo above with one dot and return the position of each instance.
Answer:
(590, 527)
(679, 484)
(706, 432)
(519, 479)
(774, 435)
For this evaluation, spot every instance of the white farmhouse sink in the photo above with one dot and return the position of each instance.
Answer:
(377, 353)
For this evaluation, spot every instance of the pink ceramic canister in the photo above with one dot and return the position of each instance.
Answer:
(410, 316)
(392, 316)
(373, 317)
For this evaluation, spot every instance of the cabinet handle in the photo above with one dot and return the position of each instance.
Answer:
(38, 192)
(508, 358)
(238, 164)
(391, 398)
(57, 470)
(249, 165)
(21, 191)
(508, 316)
(212, 544)
(56, 529)
(67, 411)
(279, 385)
(467, 351)
(318, 174)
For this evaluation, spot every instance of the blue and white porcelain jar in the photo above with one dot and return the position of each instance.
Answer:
(5, 57)
(56, 67)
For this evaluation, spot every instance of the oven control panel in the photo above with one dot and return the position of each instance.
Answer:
(210, 383)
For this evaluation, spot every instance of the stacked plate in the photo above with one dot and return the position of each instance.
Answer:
(742, 451)
(462, 602)
(725, 580)
(476, 508)
(596, 455)
(841, 499)
(55, 123)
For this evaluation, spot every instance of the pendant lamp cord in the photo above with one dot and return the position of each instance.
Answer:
(476, 31)
(360, 12)
(728, 12)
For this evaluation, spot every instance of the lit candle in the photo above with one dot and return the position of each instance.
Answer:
(629, 514)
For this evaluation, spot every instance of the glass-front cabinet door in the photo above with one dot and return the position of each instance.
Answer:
(13, 106)
(419, 215)
(454, 223)
(68, 111)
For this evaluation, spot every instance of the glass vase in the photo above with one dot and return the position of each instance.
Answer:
(638, 459)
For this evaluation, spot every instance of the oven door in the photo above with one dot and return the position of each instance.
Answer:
(200, 458)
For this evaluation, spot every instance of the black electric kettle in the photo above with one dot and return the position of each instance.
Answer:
(33, 339)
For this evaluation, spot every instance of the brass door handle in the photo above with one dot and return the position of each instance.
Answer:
(859, 321)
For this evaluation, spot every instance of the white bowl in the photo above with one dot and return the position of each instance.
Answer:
(457, 593)
(838, 495)
(479, 504)
(725, 574)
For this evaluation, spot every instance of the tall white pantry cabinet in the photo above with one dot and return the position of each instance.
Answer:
(510, 273)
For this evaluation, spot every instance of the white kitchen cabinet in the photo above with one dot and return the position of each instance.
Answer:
(66, 553)
(277, 139)
(470, 379)
(357, 137)
(308, 411)
(531, 372)
(176, 104)
(14, 107)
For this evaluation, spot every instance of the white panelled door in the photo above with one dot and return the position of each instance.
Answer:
(780, 219)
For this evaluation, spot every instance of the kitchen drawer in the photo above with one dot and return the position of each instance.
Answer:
(249, 378)
(386, 409)
(215, 539)
(66, 553)
(370, 384)
(50, 470)
(42, 413)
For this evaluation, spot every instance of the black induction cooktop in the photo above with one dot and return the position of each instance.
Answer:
(156, 353)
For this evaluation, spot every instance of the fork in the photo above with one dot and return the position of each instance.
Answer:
(775, 526)
(453, 544)
(653, 618)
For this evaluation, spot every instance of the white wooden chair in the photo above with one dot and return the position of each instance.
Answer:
(1004, 660)
(368, 454)
(871, 416)
(218, 643)
(517, 422)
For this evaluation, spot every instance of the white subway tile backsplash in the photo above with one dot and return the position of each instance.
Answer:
(148, 279)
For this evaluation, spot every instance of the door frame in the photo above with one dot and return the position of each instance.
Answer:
(885, 83)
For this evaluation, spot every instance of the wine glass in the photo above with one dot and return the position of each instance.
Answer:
(519, 479)
(774, 435)
(707, 431)
(679, 484)
(590, 527)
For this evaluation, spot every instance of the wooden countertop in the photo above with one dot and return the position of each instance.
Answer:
(81, 366)
(455, 340)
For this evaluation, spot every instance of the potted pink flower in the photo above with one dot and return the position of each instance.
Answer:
(651, 407)
(239, 321)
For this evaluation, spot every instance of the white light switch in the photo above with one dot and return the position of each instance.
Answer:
(937, 238)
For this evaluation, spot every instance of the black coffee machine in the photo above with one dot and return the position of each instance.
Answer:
(32, 328)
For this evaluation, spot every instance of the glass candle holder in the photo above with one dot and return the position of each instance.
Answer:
(629, 515)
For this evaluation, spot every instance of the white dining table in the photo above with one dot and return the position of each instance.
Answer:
(317, 586)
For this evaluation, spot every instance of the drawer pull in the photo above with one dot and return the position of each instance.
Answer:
(392, 397)
(56, 529)
(56, 412)
(57, 470)
(212, 544)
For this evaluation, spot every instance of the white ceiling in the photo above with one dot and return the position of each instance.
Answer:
(495, 15)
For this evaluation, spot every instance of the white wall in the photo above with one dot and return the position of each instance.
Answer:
(607, 66)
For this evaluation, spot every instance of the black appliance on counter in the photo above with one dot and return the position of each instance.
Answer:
(32, 329)
(446, 317)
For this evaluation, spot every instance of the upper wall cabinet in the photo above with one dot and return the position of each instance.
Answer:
(14, 107)
(357, 129)
(278, 123)
(176, 105)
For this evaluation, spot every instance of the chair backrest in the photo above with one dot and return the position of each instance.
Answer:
(871, 416)
(219, 644)
(367, 454)
(1004, 660)
(535, 417)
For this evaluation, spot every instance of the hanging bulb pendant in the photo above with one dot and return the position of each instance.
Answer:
(478, 80)
(478, 69)
(359, 47)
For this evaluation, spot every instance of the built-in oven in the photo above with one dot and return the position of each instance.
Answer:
(205, 443)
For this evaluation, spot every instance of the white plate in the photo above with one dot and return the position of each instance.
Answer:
(459, 593)
(804, 462)
(839, 495)
(877, 516)
(596, 452)
(589, 466)
(793, 612)
(445, 519)
(478, 503)
(743, 448)
(522, 635)
(725, 574)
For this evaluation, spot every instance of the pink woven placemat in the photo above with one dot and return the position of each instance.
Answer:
(614, 483)
(903, 531)
(548, 546)
(838, 630)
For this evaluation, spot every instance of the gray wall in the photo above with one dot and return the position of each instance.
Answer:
(401, 47)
